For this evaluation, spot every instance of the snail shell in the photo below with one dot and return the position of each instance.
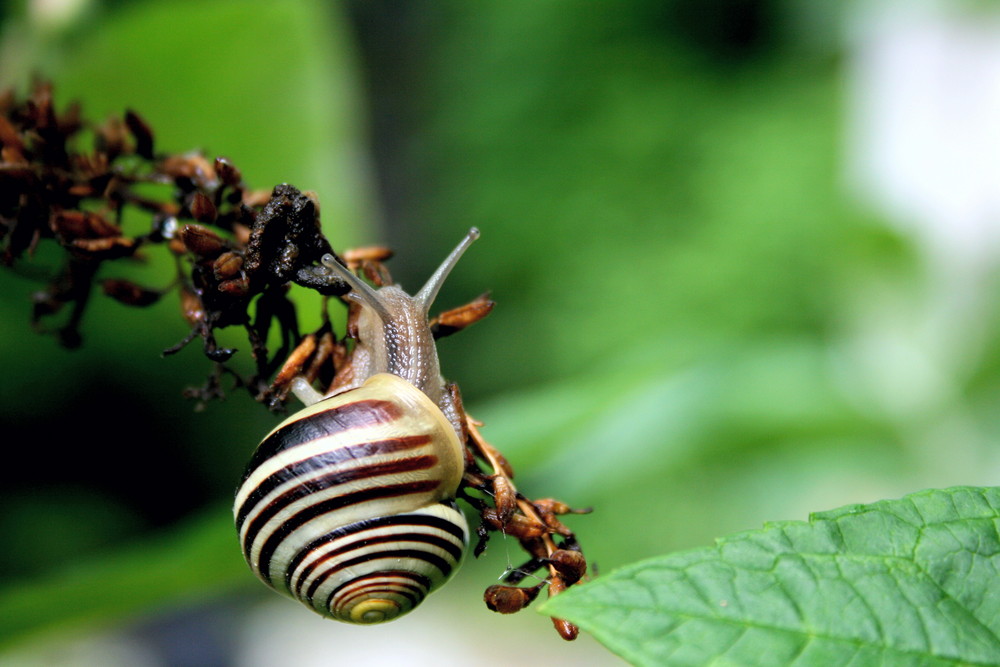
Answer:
(348, 505)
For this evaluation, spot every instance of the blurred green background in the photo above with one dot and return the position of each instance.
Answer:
(710, 314)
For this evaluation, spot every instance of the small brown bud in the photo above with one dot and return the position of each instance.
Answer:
(202, 208)
(202, 241)
(566, 630)
(509, 599)
(227, 265)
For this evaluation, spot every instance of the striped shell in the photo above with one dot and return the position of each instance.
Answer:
(348, 505)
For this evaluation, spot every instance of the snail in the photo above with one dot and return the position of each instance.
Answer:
(349, 504)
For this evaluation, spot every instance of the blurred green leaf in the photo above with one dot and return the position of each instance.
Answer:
(909, 581)
(184, 564)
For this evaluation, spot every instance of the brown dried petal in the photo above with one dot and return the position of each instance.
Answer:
(129, 293)
(296, 360)
(459, 318)
(106, 248)
(142, 133)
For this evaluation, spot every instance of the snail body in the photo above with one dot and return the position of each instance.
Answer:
(349, 504)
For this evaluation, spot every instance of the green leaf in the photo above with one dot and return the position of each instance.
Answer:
(911, 581)
(195, 560)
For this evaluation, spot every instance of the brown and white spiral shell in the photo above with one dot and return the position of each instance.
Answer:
(348, 505)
